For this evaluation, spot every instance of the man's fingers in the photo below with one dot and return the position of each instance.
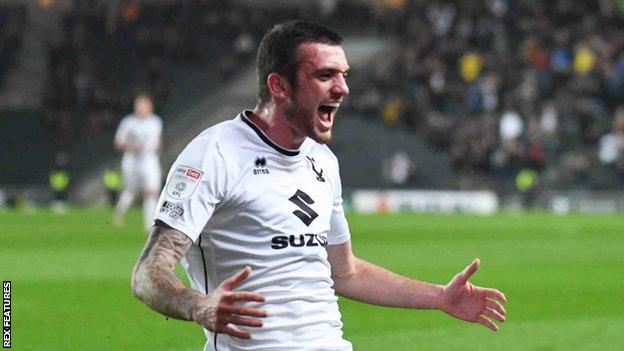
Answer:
(471, 269)
(495, 294)
(495, 305)
(231, 331)
(243, 296)
(243, 321)
(233, 281)
(486, 322)
(463, 276)
(242, 311)
(494, 314)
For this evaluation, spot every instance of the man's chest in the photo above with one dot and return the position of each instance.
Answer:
(142, 132)
(289, 198)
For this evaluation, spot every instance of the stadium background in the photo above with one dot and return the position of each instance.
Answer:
(515, 101)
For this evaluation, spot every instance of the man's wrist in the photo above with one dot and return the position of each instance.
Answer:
(194, 308)
(427, 296)
(438, 297)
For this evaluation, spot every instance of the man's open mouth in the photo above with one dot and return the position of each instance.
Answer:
(327, 109)
(326, 113)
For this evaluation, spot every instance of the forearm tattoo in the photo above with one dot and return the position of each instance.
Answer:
(154, 280)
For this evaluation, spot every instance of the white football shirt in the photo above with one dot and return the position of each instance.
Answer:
(141, 168)
(144, 132)
(245, 201)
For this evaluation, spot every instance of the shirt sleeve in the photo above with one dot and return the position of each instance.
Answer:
(159, 127)
(155, 137)
(195, 185)
(339, 231)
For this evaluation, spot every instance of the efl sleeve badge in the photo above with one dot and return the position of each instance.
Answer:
(183, 182)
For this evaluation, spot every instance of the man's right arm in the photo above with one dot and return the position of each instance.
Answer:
(120, 136)
(120, 146)
(154, 282)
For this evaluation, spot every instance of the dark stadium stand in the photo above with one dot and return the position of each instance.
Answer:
(26, 150)
(493, 86)
(11, 20)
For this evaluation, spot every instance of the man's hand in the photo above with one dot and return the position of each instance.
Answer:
(154, 282)
(218, 310)
(129, 147)
(463, 300)
(135, 148)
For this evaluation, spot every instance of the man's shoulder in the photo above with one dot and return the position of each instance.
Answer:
(156, 119)
(128, 118)
(214, 145)
(220, 130)
(220, 135)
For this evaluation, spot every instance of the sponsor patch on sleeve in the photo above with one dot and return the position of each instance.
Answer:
(183, 182)
(174, 211)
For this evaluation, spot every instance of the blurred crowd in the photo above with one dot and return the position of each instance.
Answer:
(504, 86)
(106, 51)
(109, 51)
(500, 86)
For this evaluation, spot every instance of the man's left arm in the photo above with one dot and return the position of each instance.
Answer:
(361, 280)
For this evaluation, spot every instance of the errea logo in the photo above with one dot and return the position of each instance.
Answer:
(260, 164)
(260, 161)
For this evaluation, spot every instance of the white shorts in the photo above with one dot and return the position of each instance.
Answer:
(141, 175)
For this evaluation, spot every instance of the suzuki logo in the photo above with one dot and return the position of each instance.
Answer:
(302, 200)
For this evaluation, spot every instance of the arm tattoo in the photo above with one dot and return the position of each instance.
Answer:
(154, 280)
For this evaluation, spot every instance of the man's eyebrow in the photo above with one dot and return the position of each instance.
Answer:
(330, 70)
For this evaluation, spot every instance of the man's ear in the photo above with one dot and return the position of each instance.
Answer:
(278, 86)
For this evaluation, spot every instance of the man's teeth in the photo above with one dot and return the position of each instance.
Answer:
(328, 108)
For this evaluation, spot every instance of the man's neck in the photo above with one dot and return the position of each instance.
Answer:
(272, 121)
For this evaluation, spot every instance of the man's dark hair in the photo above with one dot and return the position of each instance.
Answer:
(144, 94)
(278, 51)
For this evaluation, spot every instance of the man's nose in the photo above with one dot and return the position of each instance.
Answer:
(340, 88)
